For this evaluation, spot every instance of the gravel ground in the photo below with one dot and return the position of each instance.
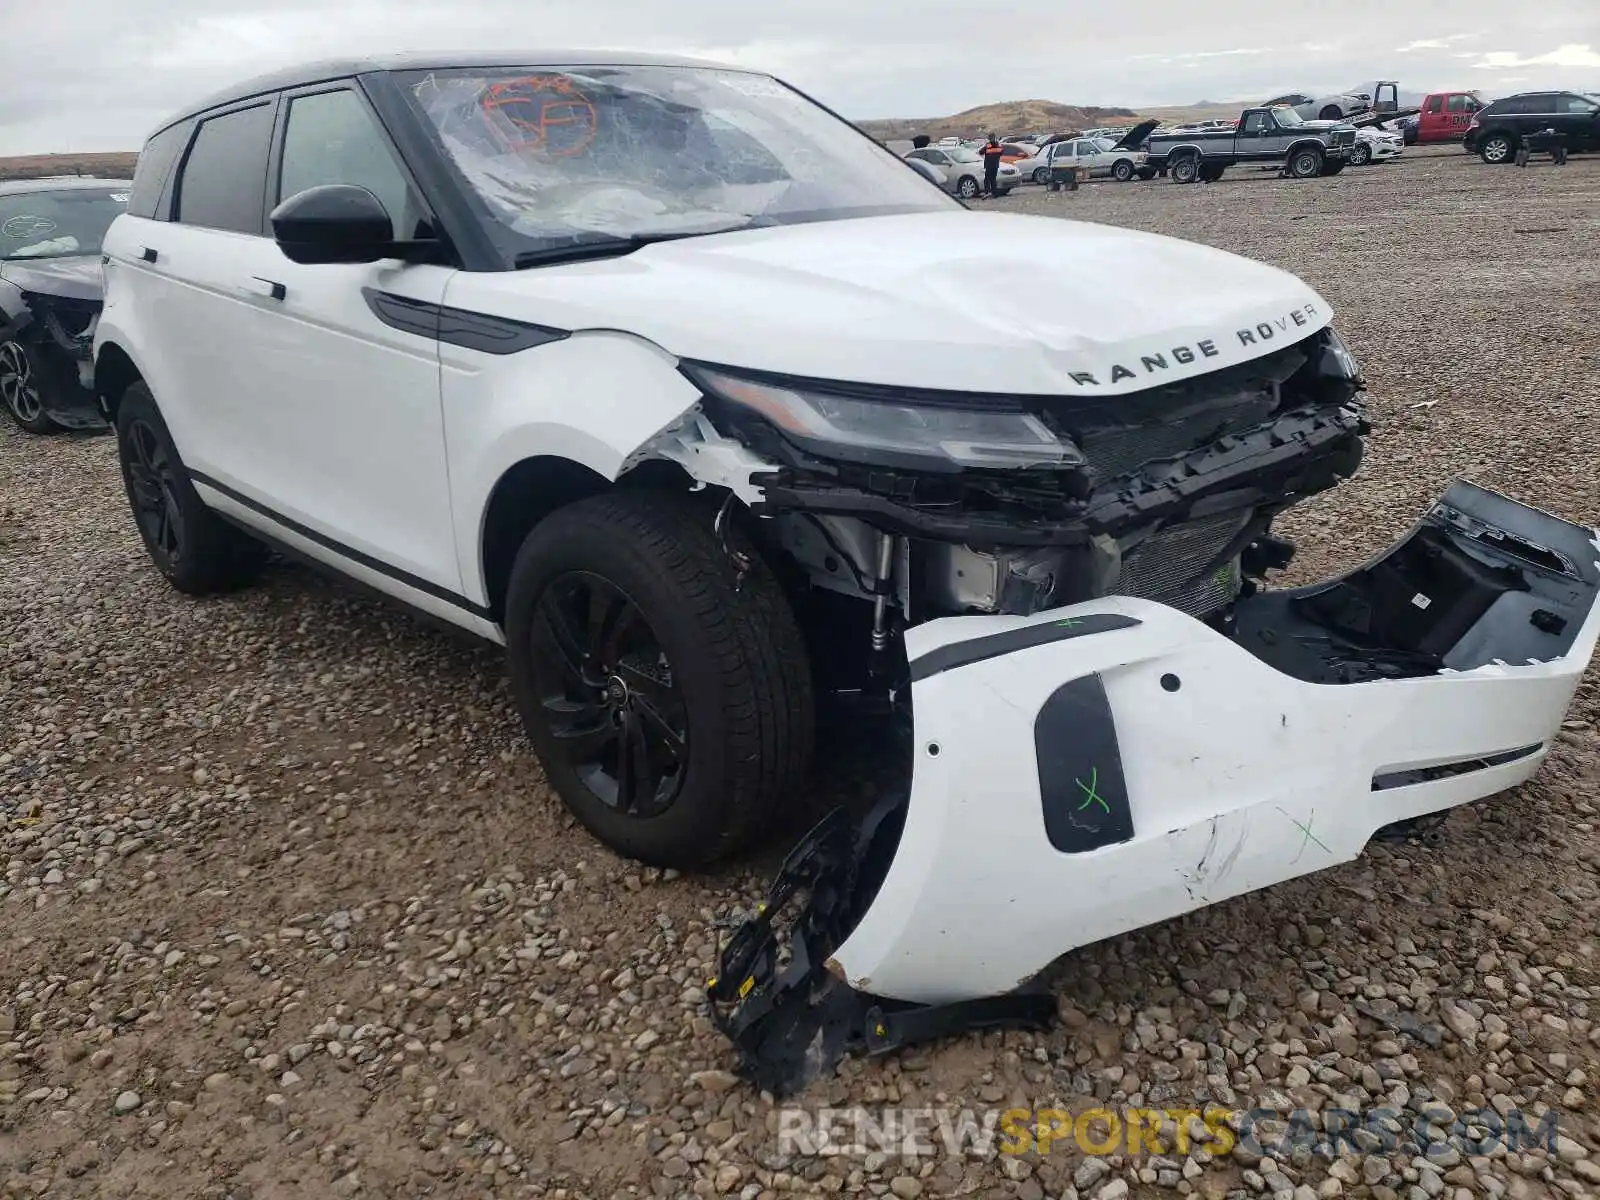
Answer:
(285, 909)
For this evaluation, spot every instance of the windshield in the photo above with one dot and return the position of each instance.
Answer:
(1287, 117)
(55, 224)
(588, 153)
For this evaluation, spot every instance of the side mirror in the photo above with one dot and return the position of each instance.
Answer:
(333, 223)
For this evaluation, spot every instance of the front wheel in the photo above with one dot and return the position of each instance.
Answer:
(1306, 164)
(1497, 148)
(661, 676)
(22, 389)
(1041, 175)
(1122, 170)
(967, 187)
(1360, 154)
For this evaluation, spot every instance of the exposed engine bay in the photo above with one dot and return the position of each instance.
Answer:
(931, 504)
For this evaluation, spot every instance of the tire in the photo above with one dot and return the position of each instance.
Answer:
(1305, 164)
(25, 390)
(1041, 175)
(1497, 148)
(1186, 169)
(738, 691)
(1122, 170)
(1331, 112)
(967, 187)
(1360, 154)
(197, 552)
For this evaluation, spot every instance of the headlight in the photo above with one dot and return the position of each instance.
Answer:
(892, 432)
(1338, 361)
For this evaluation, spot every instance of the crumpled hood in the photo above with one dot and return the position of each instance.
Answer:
(75, 278)
(958, 300)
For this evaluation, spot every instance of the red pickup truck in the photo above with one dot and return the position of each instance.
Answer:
(1446, 115)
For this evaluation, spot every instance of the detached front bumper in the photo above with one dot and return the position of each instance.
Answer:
(1093, 769)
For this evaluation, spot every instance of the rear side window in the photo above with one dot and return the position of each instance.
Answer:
(155, 164)
(225, 175)
(332, 138)
(1574, 104)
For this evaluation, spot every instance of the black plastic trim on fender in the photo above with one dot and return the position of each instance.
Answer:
(415, 582)
(961, 654)
(458, 326)
(1081, 784)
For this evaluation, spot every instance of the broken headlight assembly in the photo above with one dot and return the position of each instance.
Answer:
(919, 431)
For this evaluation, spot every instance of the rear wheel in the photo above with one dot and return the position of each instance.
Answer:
(1305, 164)
(1186, 169)
(22, 388)
(1331, 112)
(1122, 170)
(196, 550)
(660, 675)
(1497, 148)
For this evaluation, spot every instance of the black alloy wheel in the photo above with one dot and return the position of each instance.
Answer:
(152, 485)
(616, 715)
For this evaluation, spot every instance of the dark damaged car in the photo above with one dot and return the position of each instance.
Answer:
(50, 294)
(715, 416)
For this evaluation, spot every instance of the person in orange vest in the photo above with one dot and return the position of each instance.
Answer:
(991, 152)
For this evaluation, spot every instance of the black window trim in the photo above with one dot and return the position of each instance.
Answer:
(172, 197)
(353, 84)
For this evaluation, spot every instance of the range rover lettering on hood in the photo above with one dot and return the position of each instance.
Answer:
(1294, 321)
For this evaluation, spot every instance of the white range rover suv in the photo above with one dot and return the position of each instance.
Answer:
(714, 412)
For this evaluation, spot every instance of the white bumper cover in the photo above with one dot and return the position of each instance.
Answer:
(1093, 783)
(1089, 770)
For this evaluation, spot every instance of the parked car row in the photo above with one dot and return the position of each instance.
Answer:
(50, 289)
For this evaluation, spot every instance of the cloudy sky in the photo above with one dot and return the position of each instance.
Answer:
(81, 75)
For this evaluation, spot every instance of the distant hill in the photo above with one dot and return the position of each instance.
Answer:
(116, 165)
(1011, 116)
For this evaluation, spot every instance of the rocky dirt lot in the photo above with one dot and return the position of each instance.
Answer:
(285, 909)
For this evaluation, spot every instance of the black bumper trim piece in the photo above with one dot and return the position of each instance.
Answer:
(961, 654)
(415, 582)
(1462, 766)
(790, 1025)
(1081, 784)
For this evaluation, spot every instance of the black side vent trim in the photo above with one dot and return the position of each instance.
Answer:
(459, 327)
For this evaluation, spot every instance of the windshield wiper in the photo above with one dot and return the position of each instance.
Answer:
(608, 247)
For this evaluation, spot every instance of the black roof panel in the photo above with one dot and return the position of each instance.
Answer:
(317, 72)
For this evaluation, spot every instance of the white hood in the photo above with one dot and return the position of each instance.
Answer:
(935, 300)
